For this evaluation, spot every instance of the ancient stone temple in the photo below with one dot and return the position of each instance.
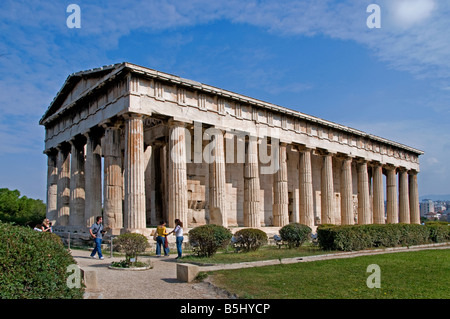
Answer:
(139, 146)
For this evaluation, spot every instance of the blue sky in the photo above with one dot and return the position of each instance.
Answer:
(318, 57)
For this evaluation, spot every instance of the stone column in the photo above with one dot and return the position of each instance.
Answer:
(364, 216)
(306, 188)
(93, 177)
(177, 179)
(134, 170)
(403, 197)
(327, 189)
(251, 184)
(113, 178)
(391, 195)
(217, 182)
(378, 194)
(347, 217)
(414, 198)
(77, 183)
(63, 187)
(280, 190)
(52, 185)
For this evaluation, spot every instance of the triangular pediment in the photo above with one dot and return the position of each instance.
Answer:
(75, 86)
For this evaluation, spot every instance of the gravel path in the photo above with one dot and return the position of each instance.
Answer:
(157, 283)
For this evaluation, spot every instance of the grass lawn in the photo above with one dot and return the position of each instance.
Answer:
(404, 275)
(263, 253)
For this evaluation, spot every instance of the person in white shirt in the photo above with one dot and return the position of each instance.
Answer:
(178, 230)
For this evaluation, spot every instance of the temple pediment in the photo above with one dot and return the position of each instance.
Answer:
(77, 85)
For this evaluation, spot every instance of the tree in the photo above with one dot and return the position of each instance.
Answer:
(20, 210)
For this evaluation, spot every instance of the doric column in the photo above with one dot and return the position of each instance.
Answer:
(177, 179)
(77, 182)
(306, 188)
(414, 198)
(52, 185)
(93, 177)
(63, 188)
(217, 182)
(113, 177)
(364, 216)
(378, 194)
(327, 189)
(403, 197)
(391, 195)
(134, 170)
(347, 217)
(280, 190)
(251, 184)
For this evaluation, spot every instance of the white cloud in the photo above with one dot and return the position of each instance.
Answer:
(409, 12)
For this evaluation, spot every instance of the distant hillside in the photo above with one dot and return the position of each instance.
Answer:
(435, 197)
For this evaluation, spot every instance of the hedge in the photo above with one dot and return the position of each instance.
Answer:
(358, 237)
(33, 265)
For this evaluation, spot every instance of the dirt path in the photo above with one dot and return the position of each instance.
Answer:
(157, 283)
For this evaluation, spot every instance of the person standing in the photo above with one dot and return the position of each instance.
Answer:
(178, 230)
(96, 231)
(161, 239)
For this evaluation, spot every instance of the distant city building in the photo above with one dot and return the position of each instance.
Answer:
(426, 207)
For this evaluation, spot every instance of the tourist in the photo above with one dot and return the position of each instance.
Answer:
(97, 233)
(178, 230)
(38, 227)
(161, 239)
(46, 226)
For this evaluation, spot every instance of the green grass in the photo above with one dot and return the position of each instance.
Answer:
(263, 253)
(406, 275)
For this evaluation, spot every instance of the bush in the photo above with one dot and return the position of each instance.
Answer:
(33, 265)
(358, 237)
(250, 239)
(295, 234)
(438, 231)
(132, 244)
(207, 239)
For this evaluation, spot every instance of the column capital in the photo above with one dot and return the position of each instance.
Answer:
(361, 160)
(177, 121)
(324, 152)
(64, 147)
(413, 172)
(94, 132)
(389, 167)
(402, 169)
(112, 123)
(130, 115)
(50, 151)
(78, 140)
(344, 157)
(375, 163)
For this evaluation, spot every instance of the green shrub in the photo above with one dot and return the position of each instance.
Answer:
(438, 232)
(207, 239)
(131, 244)
(33, 265)
(250, 239)
(295, 234)
(358, 237)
